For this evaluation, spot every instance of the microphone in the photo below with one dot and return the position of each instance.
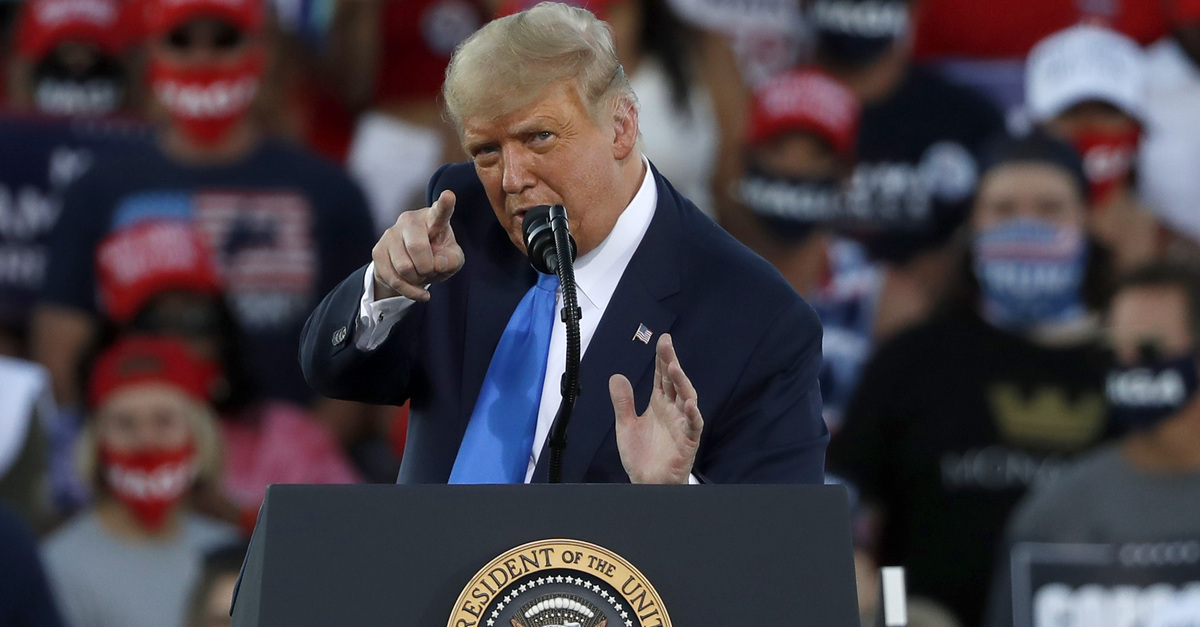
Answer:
(552, 251)
(539, 227)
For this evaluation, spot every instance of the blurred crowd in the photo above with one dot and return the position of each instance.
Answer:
(993, 211)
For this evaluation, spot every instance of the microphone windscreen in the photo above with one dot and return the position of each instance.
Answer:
(539, 239)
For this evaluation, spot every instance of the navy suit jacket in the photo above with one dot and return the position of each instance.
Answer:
(750, 345)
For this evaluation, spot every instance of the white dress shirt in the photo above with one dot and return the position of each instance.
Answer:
(596, 276)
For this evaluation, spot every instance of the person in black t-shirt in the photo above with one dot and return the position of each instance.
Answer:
(916, 155)
(284, 226)
(954, 419)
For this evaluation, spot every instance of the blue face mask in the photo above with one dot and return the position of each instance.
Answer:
(1143, 395)
(1030, 273)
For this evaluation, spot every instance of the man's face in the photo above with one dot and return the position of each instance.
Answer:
(1149, 317)
(1091, 116)
(144, 417)
(204, 43)
(797, 155)
(551, 152)
(1028, 190)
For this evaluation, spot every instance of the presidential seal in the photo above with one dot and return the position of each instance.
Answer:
(559, 583)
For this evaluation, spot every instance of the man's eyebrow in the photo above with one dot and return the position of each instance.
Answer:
(472, 144)
(539, 123)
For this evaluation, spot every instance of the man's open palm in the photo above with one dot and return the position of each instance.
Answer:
(660, 445)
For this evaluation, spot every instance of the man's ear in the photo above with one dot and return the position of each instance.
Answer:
(625, 123)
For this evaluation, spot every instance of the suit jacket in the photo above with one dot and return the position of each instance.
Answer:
(750, 345)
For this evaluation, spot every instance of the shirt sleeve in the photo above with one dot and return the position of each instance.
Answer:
(376, 317)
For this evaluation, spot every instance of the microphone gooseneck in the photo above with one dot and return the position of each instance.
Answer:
(552, 251)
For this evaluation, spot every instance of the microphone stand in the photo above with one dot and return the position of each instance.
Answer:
(571, 314)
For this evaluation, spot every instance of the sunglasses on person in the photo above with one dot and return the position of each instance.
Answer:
(215, 35)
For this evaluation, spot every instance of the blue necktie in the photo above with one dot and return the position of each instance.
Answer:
(499, 437)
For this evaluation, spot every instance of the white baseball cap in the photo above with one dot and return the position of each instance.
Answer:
(1082, 63)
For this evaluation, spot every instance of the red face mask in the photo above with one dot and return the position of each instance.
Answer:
(150, 482)
(206, 102)
(1107, 160)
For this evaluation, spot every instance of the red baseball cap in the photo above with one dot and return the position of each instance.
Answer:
(140, 360)
(45, 24)
(806, 100)
(164, 16)
(137, 263)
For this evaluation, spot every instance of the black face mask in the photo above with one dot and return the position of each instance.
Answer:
(1141, 396)
(61, 90)
(856, 33)
(790, 207)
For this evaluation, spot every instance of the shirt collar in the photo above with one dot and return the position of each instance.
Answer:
(598, 272)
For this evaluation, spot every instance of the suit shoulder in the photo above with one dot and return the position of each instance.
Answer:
(459, 178)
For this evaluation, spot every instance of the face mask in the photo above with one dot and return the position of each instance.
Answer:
(1143, 395)
(857, 33)
(206, 102)
(1030, 273)
(1107, 160)
(98, 90)
(151, 482)
(790, 207)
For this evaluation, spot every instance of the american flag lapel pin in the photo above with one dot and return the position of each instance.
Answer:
(643, 334)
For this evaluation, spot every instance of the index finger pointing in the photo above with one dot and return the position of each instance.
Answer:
(440, 212)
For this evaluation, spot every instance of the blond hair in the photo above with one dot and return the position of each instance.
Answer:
(205, 439)
(511, 61)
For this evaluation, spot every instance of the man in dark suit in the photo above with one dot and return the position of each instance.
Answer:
(544, 109)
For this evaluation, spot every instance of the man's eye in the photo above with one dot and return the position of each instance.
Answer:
(543, 136)
(484, 153)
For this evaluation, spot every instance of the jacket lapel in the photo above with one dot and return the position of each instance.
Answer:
(651, 276)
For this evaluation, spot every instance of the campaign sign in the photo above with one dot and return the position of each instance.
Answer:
(1106, 585)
